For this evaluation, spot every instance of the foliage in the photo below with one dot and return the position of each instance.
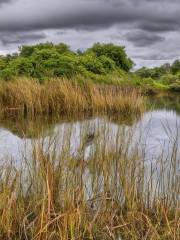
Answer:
(175, 68)
(102, 63)
(46, 60)
(165, 77)
(116, 53)
(92, 64)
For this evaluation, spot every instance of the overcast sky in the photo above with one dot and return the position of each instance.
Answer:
(149, 29)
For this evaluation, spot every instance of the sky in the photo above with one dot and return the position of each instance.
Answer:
(149, 29)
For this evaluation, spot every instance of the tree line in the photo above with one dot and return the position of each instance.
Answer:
(48, 60)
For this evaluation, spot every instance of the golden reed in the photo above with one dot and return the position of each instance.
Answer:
(27, 97)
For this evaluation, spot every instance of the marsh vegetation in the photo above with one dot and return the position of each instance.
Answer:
(84, 152)
(28, 98)
(97, 178)
(100, 64)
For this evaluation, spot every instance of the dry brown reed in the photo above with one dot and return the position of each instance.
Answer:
(26, 97)
(108, 196)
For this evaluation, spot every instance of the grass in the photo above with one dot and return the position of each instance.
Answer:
(28, 98)
(111, 193)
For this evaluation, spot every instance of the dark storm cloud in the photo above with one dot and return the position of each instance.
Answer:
(8, 38)
(143, 39)
(146, 14)
(159, 26)
(5, 2)
(156, 56)
(135, 23)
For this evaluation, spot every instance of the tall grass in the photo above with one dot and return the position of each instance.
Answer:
(110, 193)
(26, 97)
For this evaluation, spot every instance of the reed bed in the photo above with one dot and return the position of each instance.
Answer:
(26, 97)
(113, 193)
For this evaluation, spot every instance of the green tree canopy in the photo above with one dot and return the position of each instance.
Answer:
(46, 60)
(114, 52)
(175, 68)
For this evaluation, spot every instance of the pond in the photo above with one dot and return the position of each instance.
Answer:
(155, 131)
(104, 170)
(151, 140)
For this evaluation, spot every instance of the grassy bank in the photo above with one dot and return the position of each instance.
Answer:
(25, 97)
(101, 64)
(113, 193)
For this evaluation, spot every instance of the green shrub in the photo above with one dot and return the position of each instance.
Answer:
(47, 60)
(107, 63)
(3, 63)
(7, 74)
(169, 79)
(175, 86)
(175, 68)
(160, 86)
(65, 66)
(22, 66)
(102, 63)
(92, 64)
(116, 53)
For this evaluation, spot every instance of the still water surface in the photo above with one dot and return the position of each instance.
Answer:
(155, 132)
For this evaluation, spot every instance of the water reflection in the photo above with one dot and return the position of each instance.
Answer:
(164, 101)
(153, 133)
(111, 167)
(151, 142)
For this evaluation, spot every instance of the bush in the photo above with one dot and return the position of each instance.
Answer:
(47, 60)
(66, 66)
(169, 79)
(7, 74)
(3, 63)
(22, 66)
(115, 53)
(92, 64)
(175, 86)
(107, 63)
(175, 68)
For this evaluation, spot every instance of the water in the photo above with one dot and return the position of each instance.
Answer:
(155, 132)
(155, 136)
(142, 161)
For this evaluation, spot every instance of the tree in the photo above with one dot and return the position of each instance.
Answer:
(114, 52)
(26, 51)
(22, 66)
(166, 67)
(3, 63)
(46, 60)
(63, 48)
(175, 68)
(92, 64)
